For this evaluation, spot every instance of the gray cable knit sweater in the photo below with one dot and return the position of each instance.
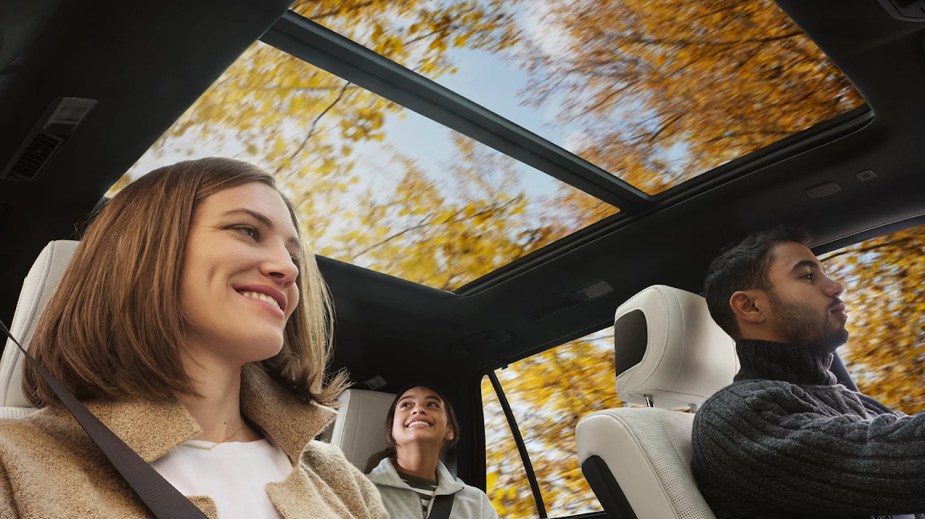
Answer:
(786, 440)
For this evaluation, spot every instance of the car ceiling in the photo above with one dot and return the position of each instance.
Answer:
(145, 63)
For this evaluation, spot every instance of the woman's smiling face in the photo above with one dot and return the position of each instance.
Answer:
(420, 416)
(238, 280)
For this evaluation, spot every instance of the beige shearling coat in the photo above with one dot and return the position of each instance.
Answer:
(49, 468)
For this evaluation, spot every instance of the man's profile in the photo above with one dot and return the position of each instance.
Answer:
(786, 439)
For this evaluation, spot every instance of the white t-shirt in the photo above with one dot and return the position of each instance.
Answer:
(233, 474)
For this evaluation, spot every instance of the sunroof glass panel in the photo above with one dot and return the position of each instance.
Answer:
(655, 92)
(378, 185)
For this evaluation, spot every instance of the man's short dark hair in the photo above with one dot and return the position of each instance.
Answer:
(744, 266)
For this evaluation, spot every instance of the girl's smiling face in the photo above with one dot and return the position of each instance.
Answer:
(420, 416)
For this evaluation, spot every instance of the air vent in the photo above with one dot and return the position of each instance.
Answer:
(46, 138)
(37, 153)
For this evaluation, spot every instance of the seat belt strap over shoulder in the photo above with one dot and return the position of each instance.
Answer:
(159, 496)
(443, 505)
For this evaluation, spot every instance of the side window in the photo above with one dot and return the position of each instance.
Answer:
(884, 281)
(548, 393)
(505, 477)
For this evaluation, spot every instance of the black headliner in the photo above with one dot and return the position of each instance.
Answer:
(147, 62)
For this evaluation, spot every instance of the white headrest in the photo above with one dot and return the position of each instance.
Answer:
(669, 349)
(37, 289)
(359, 429)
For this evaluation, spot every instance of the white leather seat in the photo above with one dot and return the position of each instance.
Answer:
(669, 355)
(37, 289)
(359, 429)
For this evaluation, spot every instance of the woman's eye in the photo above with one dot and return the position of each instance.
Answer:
(247, 230)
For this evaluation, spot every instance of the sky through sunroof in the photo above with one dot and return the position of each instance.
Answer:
(656, 92)
(654, 103)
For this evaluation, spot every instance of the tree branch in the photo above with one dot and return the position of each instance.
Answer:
(314, 125)
(427, 223)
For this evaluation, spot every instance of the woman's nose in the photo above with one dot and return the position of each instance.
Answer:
(280, 266)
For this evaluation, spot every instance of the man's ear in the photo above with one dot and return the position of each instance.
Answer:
(749, 306)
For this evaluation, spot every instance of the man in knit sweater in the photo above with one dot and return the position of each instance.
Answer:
(786, 439)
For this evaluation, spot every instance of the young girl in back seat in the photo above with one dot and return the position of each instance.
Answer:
(192, 324)
(419, 427)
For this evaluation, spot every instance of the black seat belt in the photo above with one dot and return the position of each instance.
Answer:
(443, 504)
(161, 498)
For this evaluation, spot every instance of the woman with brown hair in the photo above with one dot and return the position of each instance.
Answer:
(193, 325)
(419, 427)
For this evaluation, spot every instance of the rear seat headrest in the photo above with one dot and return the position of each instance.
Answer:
(359, 429)
(668, 350)
(37, 289)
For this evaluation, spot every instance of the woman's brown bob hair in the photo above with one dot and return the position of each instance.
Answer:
(114, 328)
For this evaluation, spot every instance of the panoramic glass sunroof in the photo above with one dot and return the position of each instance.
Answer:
(655, 93)
(377, 185)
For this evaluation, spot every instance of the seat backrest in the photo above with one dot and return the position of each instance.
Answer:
(669, 355)
(359, 429)
(37, 288)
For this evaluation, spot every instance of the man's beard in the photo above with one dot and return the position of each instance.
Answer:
(800, 325)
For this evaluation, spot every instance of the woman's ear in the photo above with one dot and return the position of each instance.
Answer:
(450, 434)
(749, 306)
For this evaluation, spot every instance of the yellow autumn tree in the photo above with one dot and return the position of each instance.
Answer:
(549, 392)
(444, 237)
(303, 123)
(884, 281)
(660, 91)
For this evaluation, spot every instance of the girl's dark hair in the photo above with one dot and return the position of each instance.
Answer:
(389, 452)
